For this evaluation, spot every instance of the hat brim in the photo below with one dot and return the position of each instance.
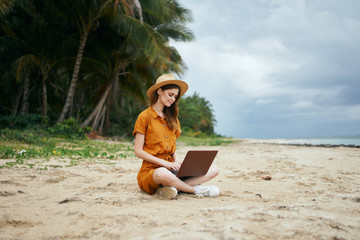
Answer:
(183, 87)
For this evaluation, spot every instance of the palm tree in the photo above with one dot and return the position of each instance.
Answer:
(87, 15)
(16, 47)
(197, 114)
(5, 5)
(151, 49)
(112, 55)
(33, 34)
(127, 47)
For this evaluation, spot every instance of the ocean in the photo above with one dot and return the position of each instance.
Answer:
(335, 141)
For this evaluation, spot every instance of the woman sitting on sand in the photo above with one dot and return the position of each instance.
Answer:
(156, 131)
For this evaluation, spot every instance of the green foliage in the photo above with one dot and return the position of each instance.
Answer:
(196, 116)
(19, 152)
(22, 121)
(6, 152)
(205, 140)
(121, 52)
(69, 128)
(34, 136)
(120, 49)
(27, 129)
(5, 5)
(125, 115)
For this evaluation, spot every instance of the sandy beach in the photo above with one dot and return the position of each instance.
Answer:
(268, 191)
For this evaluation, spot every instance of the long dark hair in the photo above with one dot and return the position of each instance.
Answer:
(172, 112)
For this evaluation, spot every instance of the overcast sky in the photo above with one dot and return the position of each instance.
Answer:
(276, 68)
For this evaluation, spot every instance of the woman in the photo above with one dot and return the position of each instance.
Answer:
(156, 131)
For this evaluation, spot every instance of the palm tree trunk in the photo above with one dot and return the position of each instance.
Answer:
(17, 100)
(96, 112)
(139, 9)
(99, 120)
(102, 120)
(44, 97)
(74, 77)
(25, 100)
(80, 103)
(107, 113)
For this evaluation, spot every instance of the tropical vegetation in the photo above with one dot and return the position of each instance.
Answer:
(79, 65)
(197, 115)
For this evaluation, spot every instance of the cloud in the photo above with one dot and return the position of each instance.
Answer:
(264, 101)
(251, 70)
(303, 105)
(266, 65)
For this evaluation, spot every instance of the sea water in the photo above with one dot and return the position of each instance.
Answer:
(339, 140)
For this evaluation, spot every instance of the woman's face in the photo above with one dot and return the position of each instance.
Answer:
(168, 96)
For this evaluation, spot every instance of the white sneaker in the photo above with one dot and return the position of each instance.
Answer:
(167, 192)
(206, 191)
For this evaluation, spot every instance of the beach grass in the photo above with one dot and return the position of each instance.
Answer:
(35, 148)
(206, 140)
(27, 148)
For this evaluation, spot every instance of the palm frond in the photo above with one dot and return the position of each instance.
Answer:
(23, 64)
(177, 32)
(5, 5)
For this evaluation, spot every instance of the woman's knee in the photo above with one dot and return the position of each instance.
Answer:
(213, 171)
(162, 175)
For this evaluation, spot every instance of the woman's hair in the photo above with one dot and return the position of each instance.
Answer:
(171, 112)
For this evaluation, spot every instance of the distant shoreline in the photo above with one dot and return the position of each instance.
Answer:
(312, 142)
(320, 145)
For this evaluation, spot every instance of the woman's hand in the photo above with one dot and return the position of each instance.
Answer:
(173, 166)
(140, 153)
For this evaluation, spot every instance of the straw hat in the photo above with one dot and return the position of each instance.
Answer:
(165, 80)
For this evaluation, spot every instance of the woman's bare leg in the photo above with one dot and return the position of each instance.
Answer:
(213, 172)
(166, 178)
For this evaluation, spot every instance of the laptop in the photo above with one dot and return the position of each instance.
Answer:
(196, 163)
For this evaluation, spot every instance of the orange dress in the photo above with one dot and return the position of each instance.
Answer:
(160, 141)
